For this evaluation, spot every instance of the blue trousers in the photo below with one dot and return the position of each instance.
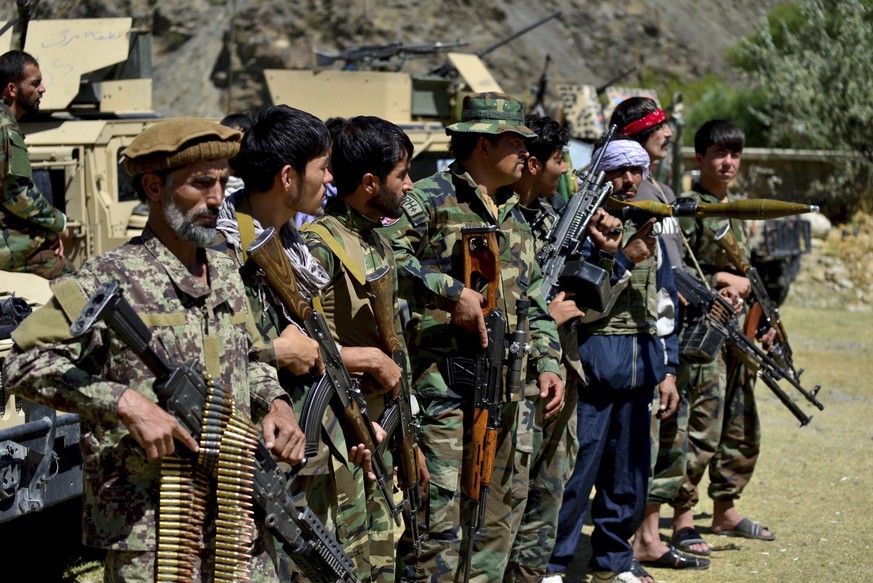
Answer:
(613, 430)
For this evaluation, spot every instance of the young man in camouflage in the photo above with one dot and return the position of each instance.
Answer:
(283, 162)
(488, 144)
(370, 159)
(550, 457)
(626, 351)
(724, 431)
(194, 303)
(30, 227)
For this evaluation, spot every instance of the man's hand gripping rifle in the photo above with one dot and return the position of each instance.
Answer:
(481, 268)
(764, 307)
(183, 391)
(336, 386)
(560, 259)
(720, 314)
(397, 420)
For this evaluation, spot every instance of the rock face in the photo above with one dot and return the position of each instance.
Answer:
(209, 54)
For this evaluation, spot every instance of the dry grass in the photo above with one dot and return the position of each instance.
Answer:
(812, 485)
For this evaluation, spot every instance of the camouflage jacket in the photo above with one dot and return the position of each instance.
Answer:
(427, 246)
(700, 234)
(28, 221)
(346, 300)
(87, 375)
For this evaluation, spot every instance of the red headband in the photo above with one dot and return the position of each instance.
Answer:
(652, 119)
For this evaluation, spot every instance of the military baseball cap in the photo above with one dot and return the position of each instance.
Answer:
(492, 113)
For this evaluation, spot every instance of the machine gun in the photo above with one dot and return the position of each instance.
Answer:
(723, 326)
(383, 57)
(397, 419)
(482, 267)
(336, 387)
(183, 391)
(765, 307)
(559, 258)
(748, 209)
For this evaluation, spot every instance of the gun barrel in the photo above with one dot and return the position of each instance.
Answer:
(511, 37)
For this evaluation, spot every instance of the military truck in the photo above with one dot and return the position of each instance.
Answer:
(97, 73)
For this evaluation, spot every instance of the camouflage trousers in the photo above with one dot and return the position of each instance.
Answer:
(724, 431)
(669, 449)
(42, 262)
(139, 566)
(444, 434)
(535, 517)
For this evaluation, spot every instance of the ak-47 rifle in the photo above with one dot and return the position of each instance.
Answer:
(482, 267)
(182, 391)
(720, 315)
(336, 386)
(560, 258)
(765, 307)
(397, 420)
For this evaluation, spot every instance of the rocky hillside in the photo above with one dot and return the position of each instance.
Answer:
(204, 66)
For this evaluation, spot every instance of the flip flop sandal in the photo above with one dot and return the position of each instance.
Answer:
(748, 529)
(688, 536)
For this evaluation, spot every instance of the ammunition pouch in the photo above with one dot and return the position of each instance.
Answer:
(459, 372)
(700, 340)
(589, 282)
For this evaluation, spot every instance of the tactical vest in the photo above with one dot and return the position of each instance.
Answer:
(636, 309)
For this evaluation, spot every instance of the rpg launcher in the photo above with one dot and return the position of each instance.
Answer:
(750, 209)
(201, 405)
(336, 388)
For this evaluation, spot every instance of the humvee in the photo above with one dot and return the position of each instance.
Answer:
(98, 99)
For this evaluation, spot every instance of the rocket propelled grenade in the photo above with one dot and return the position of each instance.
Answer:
(748, 209)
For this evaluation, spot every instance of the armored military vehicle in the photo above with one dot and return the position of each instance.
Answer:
(98, 98)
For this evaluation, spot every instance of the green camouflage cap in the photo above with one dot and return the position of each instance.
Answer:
(492, 113)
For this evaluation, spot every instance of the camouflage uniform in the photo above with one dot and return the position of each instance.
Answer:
(553, 449)
(327, 483)
(428, 250)
(723, 430)
(87, 375)
(351, 321)
(29, 224)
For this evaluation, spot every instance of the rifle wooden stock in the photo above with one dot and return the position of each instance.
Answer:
(271, 258)
(482, 262)
(382, 301)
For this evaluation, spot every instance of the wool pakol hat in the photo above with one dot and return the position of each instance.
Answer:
(178, 142)
(492, 113)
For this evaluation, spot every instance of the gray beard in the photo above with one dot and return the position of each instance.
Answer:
(184, 226)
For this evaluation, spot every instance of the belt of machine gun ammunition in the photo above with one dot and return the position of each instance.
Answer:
(224, 471)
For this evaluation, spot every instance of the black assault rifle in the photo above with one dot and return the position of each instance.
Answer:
(182, 391)
(720, 315)
(336, 387)
(560, 258)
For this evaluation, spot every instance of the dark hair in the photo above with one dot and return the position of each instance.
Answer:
(334, 125)
(279, 135)
(242, 120)
(367, 144)
(719, 132)
(550, 137)
(632, 109)
(12, 64)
